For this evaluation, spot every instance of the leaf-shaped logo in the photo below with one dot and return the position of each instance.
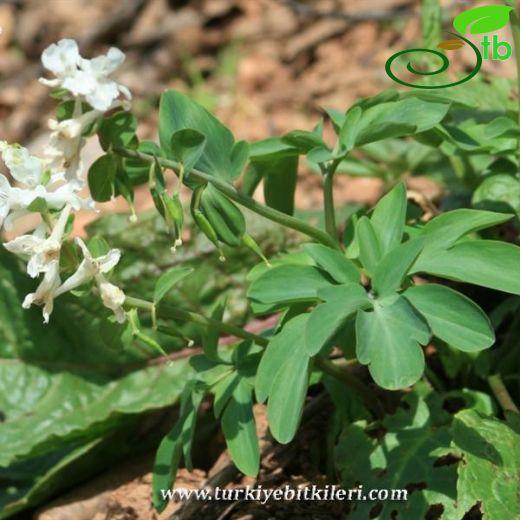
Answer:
(484, 19)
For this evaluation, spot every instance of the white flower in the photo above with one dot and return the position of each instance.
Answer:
(85, 79)
(15, 201)
(24, 167)
(46, 291)
(43, 252)
(94, 269)
(62, 59)
(65, 143)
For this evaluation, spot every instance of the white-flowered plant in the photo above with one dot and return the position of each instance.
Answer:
(52, 185)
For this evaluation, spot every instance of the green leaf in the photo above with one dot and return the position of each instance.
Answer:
(280, 178)
(118, 130)
(289, 379)
(340, 268)
(388, 341)
(211, 335)
(369, 246)
(394, 267)
(409, 115)
(281, 348)
(406, 455)
(179, 112)
(498, 193)
(172, 446)
(388, 218)
(490, 468)
(223, 390)
(484, 19)
(327, 318)
(489, 263)
(286, 284)
(101, 178)
(187, 146)
(239, 427)
(349, 129)
(381, 131)
(168, 280)
(239, 157)
(138, 170)
(452, 317)
(303, 141)
(444, 230)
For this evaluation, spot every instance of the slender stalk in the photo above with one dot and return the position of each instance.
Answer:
(240, 198)
(322, 363)
(500, 392)
(328, 199)
(515, 26)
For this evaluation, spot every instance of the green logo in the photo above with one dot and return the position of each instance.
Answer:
(480, 20)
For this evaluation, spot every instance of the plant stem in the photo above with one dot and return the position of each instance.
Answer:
(500, 392)
(322, 363)
(231, 192)
(515, 26)
(328, 199)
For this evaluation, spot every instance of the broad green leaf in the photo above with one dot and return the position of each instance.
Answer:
(189, 409)
(490, 468)
(394, 267)
(388, 341)
(407, 455)
(498, 193)
(444, 230)
(406, 116)
(289, 384)
(178, 112)
(89, 395)
(280, 349)
(239, 427)
(101, 178)
(286, 284)
(388, 218)
(33, 482)
(452, 317)
(280, 177)
(369, 246)
(483, 19)
(168, 280)
(335, 263)
(380, 131)
(489, 263)
(187, 146)
(118, 130)
(327, 318)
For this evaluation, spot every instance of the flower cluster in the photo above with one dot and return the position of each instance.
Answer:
(50, 185)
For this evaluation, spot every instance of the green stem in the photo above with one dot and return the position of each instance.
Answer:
(328, 199)
(501, 394)
(322, 363)
(515, 26)
(240, 198)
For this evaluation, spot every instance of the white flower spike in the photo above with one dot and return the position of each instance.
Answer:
(94, 269)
